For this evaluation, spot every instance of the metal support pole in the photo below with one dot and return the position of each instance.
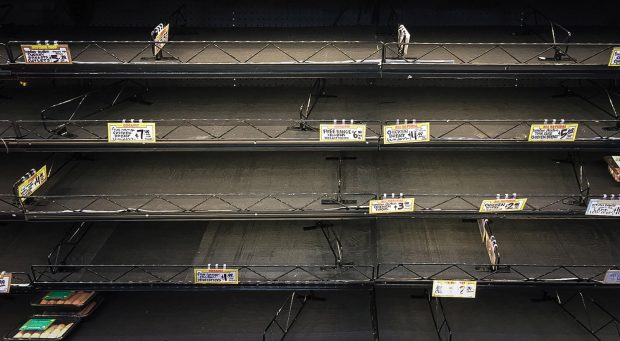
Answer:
(285, 317)
(61, 252)
(339, 200)
(333, 241)
(440, 321)
(374, 318)
(582, 180)
(317, 91)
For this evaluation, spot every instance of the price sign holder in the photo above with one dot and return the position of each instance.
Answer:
(604, 207)
(342, 132)
(391, 205)
(614, 59)
(5, 282)
(30, 182)
(160, 36)
(553, 132)
(132, 132)
(612, 277)
(406, 133)
(454, 289)
(216, 276)
(47, 53)
(489, 241)
(506, 204)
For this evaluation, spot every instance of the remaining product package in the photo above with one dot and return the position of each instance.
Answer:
(613, 164)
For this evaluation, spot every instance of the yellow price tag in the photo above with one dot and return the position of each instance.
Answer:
(397, 205)
(216, 276)
(502, 205)
(31, 184)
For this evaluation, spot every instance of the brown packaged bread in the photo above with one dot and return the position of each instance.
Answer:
(65, 329)
(72, 299)
(613, 167)
(56, 333)
(85, 296)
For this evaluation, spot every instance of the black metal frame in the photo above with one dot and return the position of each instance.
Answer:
(504, 47)
(440, 320)
(387, 63)
(611, 320)
(504, 274)
(63, 250)
(610, 93)
(536, 14)
(292, 312)
(272, 134)
(121, 92)
(332, 239)
(181, 276)
(202, 45)
(129, 276)
(223, 206)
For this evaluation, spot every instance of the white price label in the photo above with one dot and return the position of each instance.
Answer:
(343, 133)
(614, 60)
(131, 132)
(5, 282)
(216, 276)
(46, 54)
(502, 205)
(455, 289)
(553, 132)
(601, 207)
(612, 277)
(616, 160)
(406, 133)
(31, 184)
(391, 205)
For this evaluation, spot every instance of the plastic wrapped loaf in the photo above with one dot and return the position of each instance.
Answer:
(55, 331)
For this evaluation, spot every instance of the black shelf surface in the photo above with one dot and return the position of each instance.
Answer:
(512, 315)
(290, 185)
(409, 253)
(340, 52)
(259, 118)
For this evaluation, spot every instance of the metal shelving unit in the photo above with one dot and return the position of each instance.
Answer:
(127, 196)
(282, 134)
(348, 59)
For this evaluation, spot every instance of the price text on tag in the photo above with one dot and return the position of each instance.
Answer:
(391, 205)
(216, 276)
(406, 133)
(46, 54)
(31, 184)
(601, 207)
(612, 277)
(456, 289)
(131, 132)
(614, 60)
(5, 282)
(553, 132)
(342, 133)
(502, 205)
(161, 37)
